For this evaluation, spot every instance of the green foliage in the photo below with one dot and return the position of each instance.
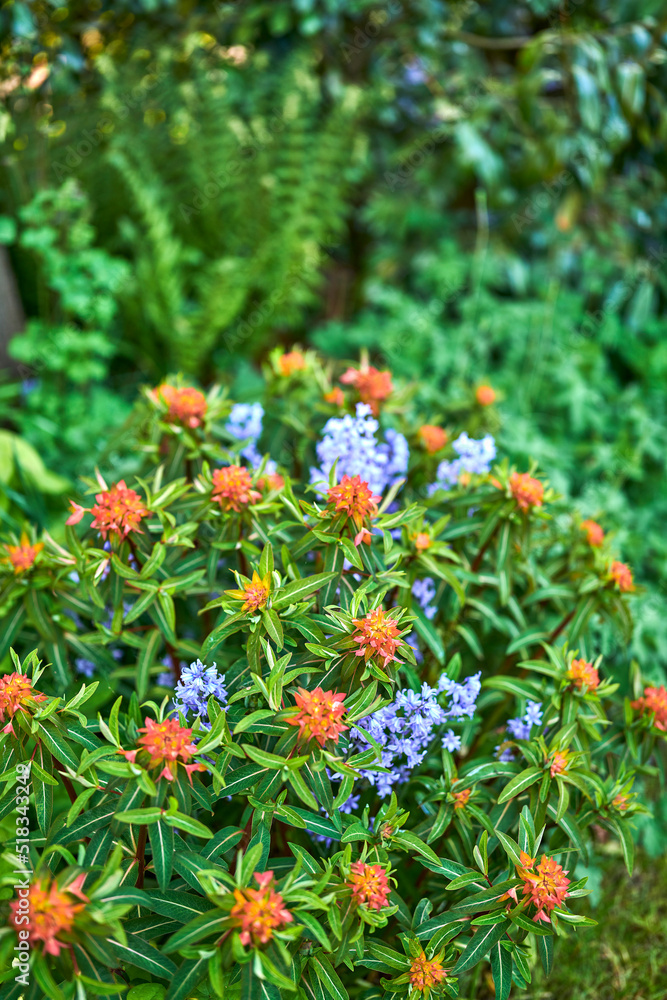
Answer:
(65, 354)
(286, 585)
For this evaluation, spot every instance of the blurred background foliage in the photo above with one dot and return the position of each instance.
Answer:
(474, 192)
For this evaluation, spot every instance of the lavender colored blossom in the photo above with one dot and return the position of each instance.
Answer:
(404, 729)
(475, 456)
(83, 666)
(196, 685)
(521, 727)
(451, 741)
(424, 591)
(245, 422)
(353, 442)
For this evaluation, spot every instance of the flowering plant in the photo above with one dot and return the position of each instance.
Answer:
(342, 723)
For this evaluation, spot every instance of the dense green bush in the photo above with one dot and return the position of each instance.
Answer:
(380, 864)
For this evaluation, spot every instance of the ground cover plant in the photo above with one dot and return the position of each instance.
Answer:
(326, 722)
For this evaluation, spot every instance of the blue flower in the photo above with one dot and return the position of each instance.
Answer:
(425, 590)
(245, 424)
(352, 441)
(195, 686)
(521, 727)
(404, 729)
(475, 456)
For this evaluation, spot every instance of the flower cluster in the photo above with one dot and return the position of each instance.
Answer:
(377, 635)
(245, 424)
(520, 728)
(485, 395)
(254, 594)
(117, 511)
(354, 498)
(433, 438)
(475, 457)
(527, 491)
(404, 729)
(51, 911)
(351, 441)
(320, 714)
(653, 702)
(195, 686)
(372, 385)
(424, 592)
(184, 406)
(259, 912)
(291, 362)
(369, 885)
(621, 574)
(16, 694)
(425, 973)
(545, 886)
(22, 556)
(583, 674)
(167, 744)
(594, 533)
(232, 488)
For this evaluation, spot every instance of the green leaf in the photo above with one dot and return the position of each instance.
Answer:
(273, 626)
(298, 590)
(501, 969)
(328, 977)
(145, 661)
(520, 783)
(482, 940)
(545, 949)
(162, 845)
(142, 954)
(187, 977)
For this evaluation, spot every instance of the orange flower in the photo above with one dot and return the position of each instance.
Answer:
(255, 593)
(545, 887)
(167, 743)
(372, 385)
(232, 488)
(485, 395)
(320, 714)
(117, 511)
(527, 492)
(461, 798)
(258, 912)
(16, 695)
(433, 437)
(369, 885)
(621, 802)
(424, 974)
(292, 361)
(654, 702)
(185, 406)
(422, 541)
(594, 533)
(378, 634)
(50, 912)
(23, 555)
(560, 762)
(274, 481)
(355, 498)
(583, 674)
(336, 396)
(621, 574)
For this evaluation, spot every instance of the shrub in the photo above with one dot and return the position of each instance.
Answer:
(339, 733)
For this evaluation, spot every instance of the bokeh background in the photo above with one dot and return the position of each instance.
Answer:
(471, 192)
